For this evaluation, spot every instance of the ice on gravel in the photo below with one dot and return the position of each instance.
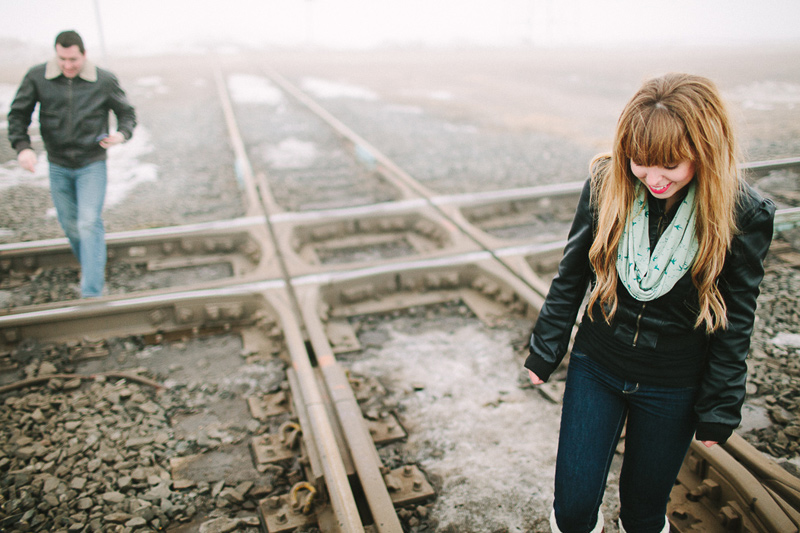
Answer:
(292, 153)
(327, 89)
(251, 89)
(490, 444)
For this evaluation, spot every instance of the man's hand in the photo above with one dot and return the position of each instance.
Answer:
(27, 159)
(111, 140)
(534, 378)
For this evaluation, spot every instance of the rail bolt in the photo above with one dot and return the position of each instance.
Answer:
(707, 488)
(730, 518)
(680, 514)
(185, 314)
(274, 502)
(137, 251)
(695, 464)
(157, 316)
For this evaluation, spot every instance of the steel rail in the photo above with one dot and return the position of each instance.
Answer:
(362, 448)
(261, 208)
(243, 167)
(760, 168)
(361, 148)
(393, 172)
(768, 511)
(322, 432)
(336, 480)
(725, 482)
(770, 474)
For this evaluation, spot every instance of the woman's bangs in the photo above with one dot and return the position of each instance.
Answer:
(658, 140)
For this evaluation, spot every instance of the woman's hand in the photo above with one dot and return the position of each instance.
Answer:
(534, 378)
(708, 443)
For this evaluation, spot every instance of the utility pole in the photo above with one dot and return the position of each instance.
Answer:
(100, 31)
(309, 23)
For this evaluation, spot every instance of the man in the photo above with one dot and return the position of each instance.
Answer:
(74, 98)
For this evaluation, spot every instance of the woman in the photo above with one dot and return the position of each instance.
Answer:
(671, 242)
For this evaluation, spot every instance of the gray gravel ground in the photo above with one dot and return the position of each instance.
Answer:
(456, 120)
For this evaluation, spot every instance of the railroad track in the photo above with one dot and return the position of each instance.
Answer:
(294, 278)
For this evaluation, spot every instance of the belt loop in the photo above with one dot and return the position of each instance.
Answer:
(635, 388)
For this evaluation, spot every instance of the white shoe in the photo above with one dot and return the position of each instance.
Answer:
(598, 528)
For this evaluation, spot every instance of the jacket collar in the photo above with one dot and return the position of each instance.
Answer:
(88, 72)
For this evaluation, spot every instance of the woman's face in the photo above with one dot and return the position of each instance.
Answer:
(665, 182)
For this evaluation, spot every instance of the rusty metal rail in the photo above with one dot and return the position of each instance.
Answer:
(281, 285)
(733, 488)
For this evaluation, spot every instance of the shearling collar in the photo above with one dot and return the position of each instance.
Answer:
(88, 72)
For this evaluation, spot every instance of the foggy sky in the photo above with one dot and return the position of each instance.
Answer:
(147, 26)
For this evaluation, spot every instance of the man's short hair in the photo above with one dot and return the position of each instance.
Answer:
(70, 38)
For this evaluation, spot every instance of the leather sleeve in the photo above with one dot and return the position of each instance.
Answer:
(552, 332)
(122, 108)
(722, 389)
(19, 115)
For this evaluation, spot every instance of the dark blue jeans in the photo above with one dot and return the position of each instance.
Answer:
(660, 426)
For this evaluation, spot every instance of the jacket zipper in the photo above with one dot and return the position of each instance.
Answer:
(69, 107)
(638, 322)
(661, 225)
(659, 231)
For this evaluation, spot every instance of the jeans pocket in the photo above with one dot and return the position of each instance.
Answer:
(577, 354)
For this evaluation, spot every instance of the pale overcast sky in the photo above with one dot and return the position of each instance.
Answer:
(146, 26)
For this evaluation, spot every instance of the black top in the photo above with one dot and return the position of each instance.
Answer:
(656, 342)
(641, 351)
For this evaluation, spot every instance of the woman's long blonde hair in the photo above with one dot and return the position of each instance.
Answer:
(671, 118)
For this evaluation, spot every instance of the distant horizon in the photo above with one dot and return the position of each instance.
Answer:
(29, 50)
(147, 27)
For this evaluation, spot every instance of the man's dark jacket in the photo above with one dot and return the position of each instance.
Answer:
(73, 113)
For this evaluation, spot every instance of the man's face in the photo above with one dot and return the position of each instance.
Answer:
(70, 60)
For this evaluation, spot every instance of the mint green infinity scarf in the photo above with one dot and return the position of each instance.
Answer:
(648, 277)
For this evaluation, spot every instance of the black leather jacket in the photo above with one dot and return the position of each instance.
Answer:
(73, 113)
(661, 332)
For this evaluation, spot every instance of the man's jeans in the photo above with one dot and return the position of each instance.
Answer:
(660, 426)
(78, 195)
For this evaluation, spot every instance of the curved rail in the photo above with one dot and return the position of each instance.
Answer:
(751, 488)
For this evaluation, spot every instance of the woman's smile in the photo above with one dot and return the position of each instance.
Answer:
(665, 182)
(660, 190)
